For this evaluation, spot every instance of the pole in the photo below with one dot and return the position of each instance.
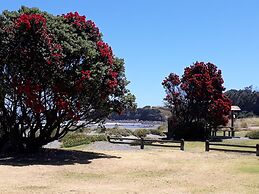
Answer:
(141, 143)
(207, 146)
(182, 144)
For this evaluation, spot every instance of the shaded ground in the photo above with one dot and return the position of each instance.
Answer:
(54, 157)
(88, 170)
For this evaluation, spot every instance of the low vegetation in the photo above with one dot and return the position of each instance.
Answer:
(76, 139)
(253, 134)
(246, 123)
(118, 132)
(159, 130)
(141, 132)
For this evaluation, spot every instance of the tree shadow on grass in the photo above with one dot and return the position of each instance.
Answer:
(56, 157)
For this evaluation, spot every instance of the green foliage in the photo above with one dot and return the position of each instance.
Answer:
(253, 135)
(146, 113)
(159, 130)
(118, 132)
(247, 99)
(76, 139)
(141, 132)
(84, 130)
(196, 101)
(55, 70)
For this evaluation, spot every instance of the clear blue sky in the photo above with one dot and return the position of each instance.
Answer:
(156, 37)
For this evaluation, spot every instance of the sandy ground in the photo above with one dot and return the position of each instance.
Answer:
(132, 171)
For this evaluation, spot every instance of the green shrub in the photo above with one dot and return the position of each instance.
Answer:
(159, 130)
(253, 135)
(83, 130)
(76, 139)
(156, 132)
(118, 132)
(141, 132)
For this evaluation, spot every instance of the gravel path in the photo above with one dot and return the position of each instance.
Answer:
(55, 144)
(103, 145)
(99, 145)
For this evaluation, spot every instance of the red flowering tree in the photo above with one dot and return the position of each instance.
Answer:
(55, 70)
(196, 100)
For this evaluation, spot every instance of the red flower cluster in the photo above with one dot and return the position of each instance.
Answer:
(80, 23)
(201, 91)
(112, 84)
(85, 74)
(202, 81)
(174, 79)
(26, 21)
(62, 104)
(113, 74)
(77, 20)
(219, 110)
(105, 51)
(31, 94)
(92, 30)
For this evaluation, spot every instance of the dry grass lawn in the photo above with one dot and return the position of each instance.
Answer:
(139, 171)
(247, 123)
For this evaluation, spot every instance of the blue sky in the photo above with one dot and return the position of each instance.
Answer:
(156, 37)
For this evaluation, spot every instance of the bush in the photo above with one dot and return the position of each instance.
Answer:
(141, 132)
(118, 132)
(76, 139)
(84, 130)
(253, 135)
(159, 130)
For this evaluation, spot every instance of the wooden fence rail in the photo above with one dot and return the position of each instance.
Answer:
(208, 148)
(142, 142)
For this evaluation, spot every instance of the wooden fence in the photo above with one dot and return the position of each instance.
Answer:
(208, 148)
(142, 142)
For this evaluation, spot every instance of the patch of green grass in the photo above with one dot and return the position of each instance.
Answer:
(250, 169)
(147, 174)
(240, 133)
(253, 135)
(76, 139)
(33, 187)
(82, 175)
(251, 142)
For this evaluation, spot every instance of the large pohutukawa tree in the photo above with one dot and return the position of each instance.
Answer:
(196, 100)
(55, 71)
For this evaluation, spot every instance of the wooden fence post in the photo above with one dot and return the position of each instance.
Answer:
(257, 149)
(207, 146)
(182, 144)
(141, 143)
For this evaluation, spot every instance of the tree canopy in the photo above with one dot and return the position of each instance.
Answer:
(54, 71)
(196, 100)
(247, 99)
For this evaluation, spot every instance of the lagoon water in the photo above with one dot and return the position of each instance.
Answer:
(130, 125)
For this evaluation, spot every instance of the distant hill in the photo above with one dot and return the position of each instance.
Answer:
(147, 113)
(247, 99)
